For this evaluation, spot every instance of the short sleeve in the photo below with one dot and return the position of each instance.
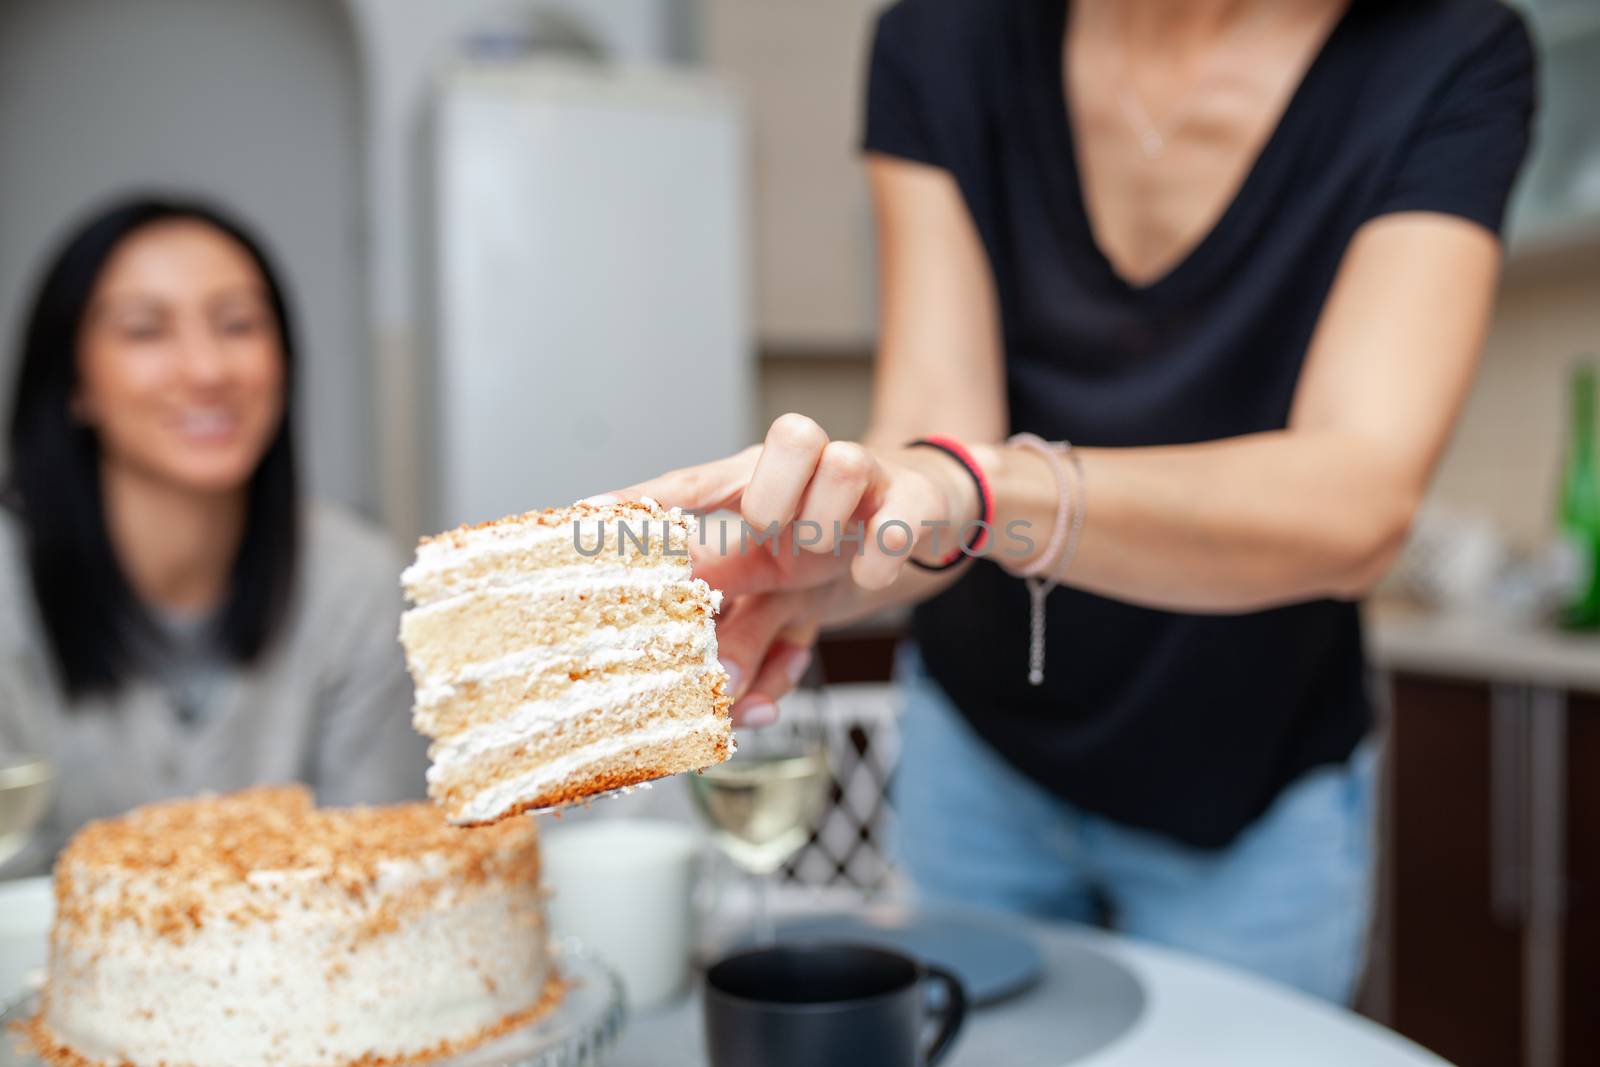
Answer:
(1462, 158)
(897, 120)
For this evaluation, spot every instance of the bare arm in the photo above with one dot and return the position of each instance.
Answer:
(939, 366)
(1317, 509)
(1320, 508)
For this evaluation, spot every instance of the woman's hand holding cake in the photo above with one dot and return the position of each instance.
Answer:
(829, 526)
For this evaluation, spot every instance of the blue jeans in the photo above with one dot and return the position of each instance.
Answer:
(1289, 899)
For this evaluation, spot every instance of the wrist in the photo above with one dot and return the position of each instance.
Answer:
(1024, 503)
(968, 504)
(961, 502)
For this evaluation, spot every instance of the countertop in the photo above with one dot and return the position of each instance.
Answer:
(1481, 646)
(1456, 643)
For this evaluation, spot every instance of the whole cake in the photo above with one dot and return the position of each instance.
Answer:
(255, 929)
(560, 654)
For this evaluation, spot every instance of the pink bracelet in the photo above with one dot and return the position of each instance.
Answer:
(1058, 534)
(1061, 548)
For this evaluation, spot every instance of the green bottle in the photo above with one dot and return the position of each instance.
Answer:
(1580, 505)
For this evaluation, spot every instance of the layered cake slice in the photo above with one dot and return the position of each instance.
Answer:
(561, 654)
(257, 930)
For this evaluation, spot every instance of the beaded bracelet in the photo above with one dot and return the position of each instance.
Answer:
(1062, 546)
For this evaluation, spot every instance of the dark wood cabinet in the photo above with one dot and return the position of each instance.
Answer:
(1455, 957)
(1492, 855)
(1580, 972)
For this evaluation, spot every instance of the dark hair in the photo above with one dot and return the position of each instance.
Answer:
(90, 612)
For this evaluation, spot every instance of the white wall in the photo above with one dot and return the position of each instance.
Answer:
(255, 104)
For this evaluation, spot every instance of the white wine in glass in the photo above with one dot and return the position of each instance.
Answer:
(25, 783)
(763, 803)
(761, 807)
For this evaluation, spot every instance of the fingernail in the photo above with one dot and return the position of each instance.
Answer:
(735, 675)
(600, 499)
(758, 715)
(799, 660)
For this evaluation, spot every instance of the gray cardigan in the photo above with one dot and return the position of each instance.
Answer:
(328, 704)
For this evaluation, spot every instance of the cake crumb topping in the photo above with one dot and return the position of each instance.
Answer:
(553, 517)
(173, 862)
(276, 829)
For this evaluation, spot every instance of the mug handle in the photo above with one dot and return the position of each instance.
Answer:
(950, 1017)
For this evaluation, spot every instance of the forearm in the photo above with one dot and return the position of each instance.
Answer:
(1223, 526)
(1231, 525)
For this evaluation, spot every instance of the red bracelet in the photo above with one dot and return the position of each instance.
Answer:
(958, 452)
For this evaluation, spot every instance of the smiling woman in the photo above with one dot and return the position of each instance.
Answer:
(195, 627)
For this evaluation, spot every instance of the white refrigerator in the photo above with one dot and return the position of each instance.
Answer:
(592, 320)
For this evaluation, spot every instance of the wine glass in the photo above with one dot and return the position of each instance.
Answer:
(25, 783)
(763, 802)
(27, 778)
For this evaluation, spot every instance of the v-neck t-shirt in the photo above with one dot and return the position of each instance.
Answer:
(1185, 724)
(184, 655)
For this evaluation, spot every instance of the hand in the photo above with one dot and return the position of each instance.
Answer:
(847, 518)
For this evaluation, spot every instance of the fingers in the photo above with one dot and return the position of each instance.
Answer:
(794, 473)
(843, 474)
(782, 670)
(788, 459)
(739, 569)
(745, 633)
(814, 491)
(910, 510)
(703, 487)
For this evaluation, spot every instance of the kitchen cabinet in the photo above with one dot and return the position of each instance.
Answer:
(1454, 949)
(1555, 218)
(1492, 924)
(1580, 976)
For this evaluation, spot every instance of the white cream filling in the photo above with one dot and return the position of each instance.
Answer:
(575, 578)
(540, 716)
(605, 646)
(501, 796)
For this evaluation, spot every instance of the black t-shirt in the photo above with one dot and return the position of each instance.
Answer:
(1185, 724)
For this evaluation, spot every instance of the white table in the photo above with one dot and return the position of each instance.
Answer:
(1104, 1001)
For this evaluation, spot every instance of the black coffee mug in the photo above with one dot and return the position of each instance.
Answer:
(827, 1006)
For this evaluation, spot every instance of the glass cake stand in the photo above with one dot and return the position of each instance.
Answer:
(578, 1033)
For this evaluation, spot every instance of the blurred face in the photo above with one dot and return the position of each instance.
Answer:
(180, 363)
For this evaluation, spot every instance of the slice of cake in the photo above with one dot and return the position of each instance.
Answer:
(561, 654)
(254, 929)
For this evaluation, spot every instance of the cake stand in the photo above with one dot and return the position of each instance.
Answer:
(578, 1033)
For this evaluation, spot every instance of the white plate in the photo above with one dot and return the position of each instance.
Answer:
(578, 1033)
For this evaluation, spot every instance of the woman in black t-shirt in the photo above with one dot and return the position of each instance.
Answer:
(1241, 253)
